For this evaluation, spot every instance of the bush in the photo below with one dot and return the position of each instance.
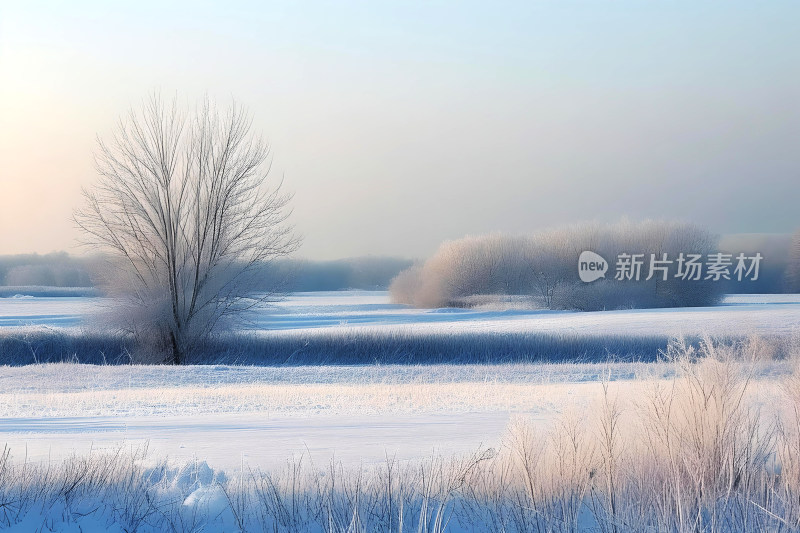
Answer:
(545, 265)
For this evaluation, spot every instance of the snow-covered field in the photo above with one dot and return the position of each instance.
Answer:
(229, 416)
(224, 415)
(219, 439)
(769, 313)
(360, 309)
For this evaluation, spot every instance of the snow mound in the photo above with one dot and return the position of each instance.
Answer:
(210, 499)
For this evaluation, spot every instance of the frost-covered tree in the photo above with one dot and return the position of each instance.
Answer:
(185, 207)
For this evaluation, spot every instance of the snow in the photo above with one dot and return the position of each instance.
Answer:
(224, 414)
(372, 310)
(55, 311)
(63, 521)
(357, 310)
(220, 418)
(262, 416)
(258, 440)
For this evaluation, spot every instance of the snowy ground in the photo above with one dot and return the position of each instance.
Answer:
(262, 415)
(372, 310)
(228, 417)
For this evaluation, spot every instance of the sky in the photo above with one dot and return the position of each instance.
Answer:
(398, 125)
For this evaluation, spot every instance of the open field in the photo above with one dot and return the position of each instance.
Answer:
(225, 414)
(404, 409)
(359, 310)
(514, 446)
(695, 444)
(358, 327)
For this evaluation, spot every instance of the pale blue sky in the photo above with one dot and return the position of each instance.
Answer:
(398, 125)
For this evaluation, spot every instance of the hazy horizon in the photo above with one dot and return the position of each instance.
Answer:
(738, 242)
(400, 126)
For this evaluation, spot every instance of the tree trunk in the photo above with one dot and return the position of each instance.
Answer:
(177, 356)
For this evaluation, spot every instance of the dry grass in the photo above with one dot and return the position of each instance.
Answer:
(695, 453)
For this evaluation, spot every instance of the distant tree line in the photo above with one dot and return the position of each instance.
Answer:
(544, 266)
(364, 273)
(779, 271)
(294, 275)
(775, 274)
(57, 269)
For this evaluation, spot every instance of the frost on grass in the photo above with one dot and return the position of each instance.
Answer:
(698, 451)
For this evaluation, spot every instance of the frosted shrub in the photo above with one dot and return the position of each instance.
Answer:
(544, 265)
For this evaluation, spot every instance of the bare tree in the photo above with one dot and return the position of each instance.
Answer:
(184, 205)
